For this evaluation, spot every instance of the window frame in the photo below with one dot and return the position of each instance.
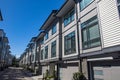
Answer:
(89, 41)
(42, 41)
(54, 27)
(84, 4)
(41, 55)
(46, 35)
(69, 16)
(71, 40)
(98, 72)
(53, 44)
(118, 5)
(46, 52)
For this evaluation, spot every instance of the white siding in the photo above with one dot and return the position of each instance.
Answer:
(110, 22)
(87, 9)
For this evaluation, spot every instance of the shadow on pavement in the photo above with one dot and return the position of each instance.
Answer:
(13, 73)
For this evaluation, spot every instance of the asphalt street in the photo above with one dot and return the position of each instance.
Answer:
(13, 73)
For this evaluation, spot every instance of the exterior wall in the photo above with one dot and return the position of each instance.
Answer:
(37, 52)
(105, 69)
(65, 31)
(48, 42)
(57, 47)
(110, 22)
(70, 25)
(109, 25)
(87, 9)
(84, 68)
(5, 56)
(26, 58)
(83, 16)
(34, 52)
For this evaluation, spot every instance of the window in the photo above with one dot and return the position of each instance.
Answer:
(69, 17)
(70, 44)
(46, 52)
(36, 56)
(46, 36)
(84, 3)
(41, 55)
(90, 33)
(42, 41)
(53, 49)
(118, 1)
(32, 57)
(98, 72)
(54, 29)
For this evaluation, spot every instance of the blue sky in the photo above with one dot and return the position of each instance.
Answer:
(23, 18)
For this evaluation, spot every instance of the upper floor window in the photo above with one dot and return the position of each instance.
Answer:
(32, 57)
(54, 29)
(42, 41)
(41, 56)
(53, 49)
(69, 17)
(90, 33)
(46, 36)
(46, 52)
(70, 43)
(37, 56)
(118, 1)
(84, 3)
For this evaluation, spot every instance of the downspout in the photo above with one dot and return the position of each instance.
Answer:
(77, 19)
(60, 47)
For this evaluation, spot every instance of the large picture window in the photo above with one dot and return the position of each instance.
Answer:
(90, 33)
(46, 52)
(70, 43)
(69, 17)
(84, 3)
(53, 49)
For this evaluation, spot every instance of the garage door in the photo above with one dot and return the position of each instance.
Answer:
(44, 68)
(106, 73)
(67, 70)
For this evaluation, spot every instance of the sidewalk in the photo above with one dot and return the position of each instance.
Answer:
(1, 72)
(28, 73)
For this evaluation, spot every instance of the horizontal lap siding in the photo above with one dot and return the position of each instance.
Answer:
(110, 22)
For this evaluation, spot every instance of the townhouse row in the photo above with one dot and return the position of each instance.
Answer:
(5, 53)
(83, 35)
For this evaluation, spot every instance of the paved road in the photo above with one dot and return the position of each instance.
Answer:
(13, 73)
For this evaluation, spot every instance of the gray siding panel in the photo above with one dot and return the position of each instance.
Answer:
(110, 22)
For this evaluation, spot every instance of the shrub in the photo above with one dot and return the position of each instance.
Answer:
(78, 76)
(48, 76)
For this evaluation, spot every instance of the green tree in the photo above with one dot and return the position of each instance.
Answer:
(14, 61)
